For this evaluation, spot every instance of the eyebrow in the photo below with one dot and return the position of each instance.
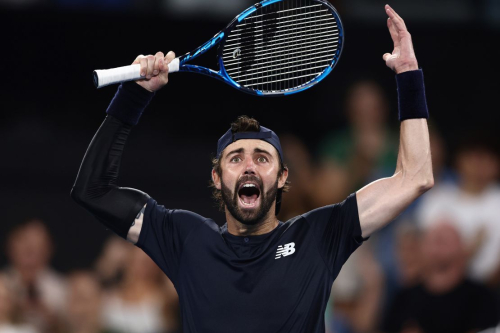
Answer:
(258, 150)
(241, 150)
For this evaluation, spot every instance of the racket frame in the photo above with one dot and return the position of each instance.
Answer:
(220, 38)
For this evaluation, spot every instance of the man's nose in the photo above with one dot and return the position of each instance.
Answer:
(249, 166)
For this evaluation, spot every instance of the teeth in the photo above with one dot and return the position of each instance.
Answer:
(249, 185)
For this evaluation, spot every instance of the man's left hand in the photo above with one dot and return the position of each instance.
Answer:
(402, 59)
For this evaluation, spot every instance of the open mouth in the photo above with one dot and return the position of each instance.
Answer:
(249, 194)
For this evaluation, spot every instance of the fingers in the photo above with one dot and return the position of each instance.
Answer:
(144, 65)
(403, 56)
(169, 57)
(393, 32)
(143, 61)
(158, 60)
(395, 18)
(151, 65)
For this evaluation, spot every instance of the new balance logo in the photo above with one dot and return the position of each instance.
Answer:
(285, 250)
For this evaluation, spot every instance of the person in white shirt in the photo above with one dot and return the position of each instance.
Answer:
(9, 310)
(472, 206)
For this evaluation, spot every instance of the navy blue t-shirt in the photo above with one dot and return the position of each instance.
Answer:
(278, 282)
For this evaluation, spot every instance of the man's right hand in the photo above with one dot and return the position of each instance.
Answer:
(154, 70)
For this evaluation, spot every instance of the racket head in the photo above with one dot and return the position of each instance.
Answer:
(281, 47)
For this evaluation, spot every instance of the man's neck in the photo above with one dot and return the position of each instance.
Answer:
(268, 224)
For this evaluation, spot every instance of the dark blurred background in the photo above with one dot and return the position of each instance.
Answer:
(50, 109)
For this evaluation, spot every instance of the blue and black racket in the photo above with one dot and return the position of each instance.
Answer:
(276, 47)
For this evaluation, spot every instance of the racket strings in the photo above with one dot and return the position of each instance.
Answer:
(299, 44)
(247, 36)
(282, 47)
(276, 21)
(292, 64)
(319, 29)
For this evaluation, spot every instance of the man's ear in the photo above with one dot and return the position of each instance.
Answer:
(283, 178)
(216, 179)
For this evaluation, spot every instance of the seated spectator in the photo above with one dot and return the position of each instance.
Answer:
(83, 312)
(143, 302)
(111, 263)
(365, 151)
(300, 164)
(446, 301)
(357, 294)
(472, 206)
(9, 311)
(38, 288)
(408, 255)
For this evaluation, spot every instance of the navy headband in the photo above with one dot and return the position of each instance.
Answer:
(265, 134)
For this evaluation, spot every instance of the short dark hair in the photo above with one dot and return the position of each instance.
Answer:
(479, 140)
(245, 124)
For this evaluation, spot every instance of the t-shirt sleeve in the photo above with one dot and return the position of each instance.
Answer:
(337, 231)
(164, 233)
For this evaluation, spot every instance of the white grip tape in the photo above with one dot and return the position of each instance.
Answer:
(104, 77)
(173, 66)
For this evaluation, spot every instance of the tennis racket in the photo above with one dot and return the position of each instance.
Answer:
(276, 47)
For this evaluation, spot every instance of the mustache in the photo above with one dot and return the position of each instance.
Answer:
(248, 178)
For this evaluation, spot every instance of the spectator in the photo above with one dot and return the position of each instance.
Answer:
(111, 263)
(445, 301)
(9, 311)
(409, 256)
(439, 149)
(84, 304)
(357, 294)
(472, 206)
(143, 302)
(365, 151)
(38, 288)
(300, 164)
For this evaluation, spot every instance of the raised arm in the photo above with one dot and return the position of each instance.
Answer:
(118, 208)
(383, 200)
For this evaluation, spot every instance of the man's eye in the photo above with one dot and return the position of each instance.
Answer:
(262, 159)
(235, 159)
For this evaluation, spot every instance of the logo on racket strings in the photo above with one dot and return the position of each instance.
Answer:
(236, 53)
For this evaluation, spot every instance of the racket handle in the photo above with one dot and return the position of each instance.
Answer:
(105, 77)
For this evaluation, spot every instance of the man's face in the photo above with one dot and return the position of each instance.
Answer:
(30, 247)
(249, 181)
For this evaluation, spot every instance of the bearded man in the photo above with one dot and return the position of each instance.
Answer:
(255, 273)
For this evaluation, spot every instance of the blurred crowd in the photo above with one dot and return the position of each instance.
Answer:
(436, 268)
(125, 292)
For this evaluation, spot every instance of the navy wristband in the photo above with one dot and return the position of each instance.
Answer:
(129, 102)
(412, 103)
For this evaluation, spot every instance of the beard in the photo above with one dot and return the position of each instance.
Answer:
(249, 216)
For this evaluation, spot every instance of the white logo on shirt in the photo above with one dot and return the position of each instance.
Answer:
(285, 250)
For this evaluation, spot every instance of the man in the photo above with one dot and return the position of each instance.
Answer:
(38, 288)
(254, 274)
(445, 300)
(471, 206)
